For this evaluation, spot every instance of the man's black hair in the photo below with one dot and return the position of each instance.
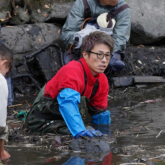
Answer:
(94, 38)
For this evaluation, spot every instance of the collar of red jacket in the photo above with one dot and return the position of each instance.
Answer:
(90, 78)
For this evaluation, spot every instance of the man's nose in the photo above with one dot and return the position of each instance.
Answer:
(104, 59)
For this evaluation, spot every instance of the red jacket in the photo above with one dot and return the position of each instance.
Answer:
(72, 76)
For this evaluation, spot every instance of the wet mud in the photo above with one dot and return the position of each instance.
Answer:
(136, 134)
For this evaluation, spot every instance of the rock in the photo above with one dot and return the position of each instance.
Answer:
(144, 61)
(147, 21)
(122, 81)
(148, 79)
(45, 10)
(45, 63)
(27, 38)
(90, 145)
(21, 17)
(5, 7)
(19, 2)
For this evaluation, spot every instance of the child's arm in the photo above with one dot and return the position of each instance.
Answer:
(3, 154)
(3, 115)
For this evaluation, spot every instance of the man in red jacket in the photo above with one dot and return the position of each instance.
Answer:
(78, 86)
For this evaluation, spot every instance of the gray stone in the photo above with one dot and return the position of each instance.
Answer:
(141, 61)
(4, 8)
(27, 38)
(91, 145)
(49, 10)
(148, 23)
(21, 17)
(144, 61)
(19, 2)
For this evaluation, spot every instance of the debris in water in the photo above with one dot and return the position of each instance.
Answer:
(2, 20)
(39, 40)
(16, 105)
(159, 133)
(45, 15)
(142, 46)
(38, 10)
(47, 7)
(139, 62)
(146, 128)
(25, 12)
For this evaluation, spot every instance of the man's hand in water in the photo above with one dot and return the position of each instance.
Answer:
(89, 133)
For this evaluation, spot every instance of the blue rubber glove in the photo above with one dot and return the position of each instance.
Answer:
(89, 133)
(96, 132)
(83, 133)
(102, 118)
(68, 100)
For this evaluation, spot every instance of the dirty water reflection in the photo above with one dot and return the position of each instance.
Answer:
(138, 123)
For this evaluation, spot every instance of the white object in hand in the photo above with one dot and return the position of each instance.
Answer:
(102, 21)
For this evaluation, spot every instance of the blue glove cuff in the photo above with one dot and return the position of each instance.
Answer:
(102, 118)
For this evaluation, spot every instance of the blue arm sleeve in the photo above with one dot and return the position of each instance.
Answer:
(68, 100)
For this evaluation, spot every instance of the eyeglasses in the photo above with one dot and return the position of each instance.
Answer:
(101, 55)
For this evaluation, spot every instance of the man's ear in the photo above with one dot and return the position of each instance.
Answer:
(3, 63)
(85, 55)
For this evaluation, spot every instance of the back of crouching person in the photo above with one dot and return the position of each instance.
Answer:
(6, 61)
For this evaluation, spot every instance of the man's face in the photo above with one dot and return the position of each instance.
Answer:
(97, 65)
(109, 2)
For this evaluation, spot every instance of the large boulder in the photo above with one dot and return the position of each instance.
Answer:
(27, 38)
(148, 23)
(30, 11)
(45, 10)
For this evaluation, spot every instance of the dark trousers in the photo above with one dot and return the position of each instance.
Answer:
(45, 116)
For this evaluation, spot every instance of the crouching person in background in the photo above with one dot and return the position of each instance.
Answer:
(78, 86)
(6, 60)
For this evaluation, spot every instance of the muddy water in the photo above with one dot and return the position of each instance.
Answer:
(136, 134)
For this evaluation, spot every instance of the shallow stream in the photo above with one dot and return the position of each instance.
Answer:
(136, 134)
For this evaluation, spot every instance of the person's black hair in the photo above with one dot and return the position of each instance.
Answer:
(6, 54)
(94, 38)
